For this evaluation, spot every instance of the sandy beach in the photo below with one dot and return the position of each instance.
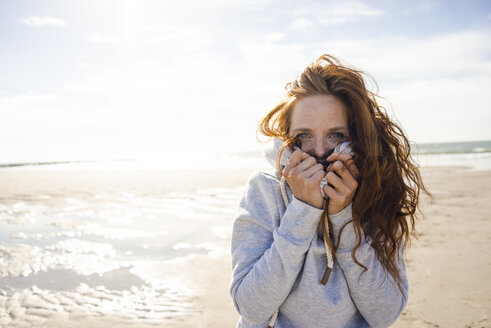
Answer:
(448, 267)
(151, 249)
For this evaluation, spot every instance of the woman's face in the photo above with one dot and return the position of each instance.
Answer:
(319, 123)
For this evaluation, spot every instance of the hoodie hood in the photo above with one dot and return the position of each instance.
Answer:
(271, 153)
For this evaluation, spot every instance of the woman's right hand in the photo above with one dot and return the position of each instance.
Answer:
(304, 175)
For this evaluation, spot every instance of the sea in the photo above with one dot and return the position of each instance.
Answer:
(128, 243)
(472, 154)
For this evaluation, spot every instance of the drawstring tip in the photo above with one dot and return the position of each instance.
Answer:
(325, 278)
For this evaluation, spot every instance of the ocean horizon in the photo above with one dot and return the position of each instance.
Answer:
(476, 154)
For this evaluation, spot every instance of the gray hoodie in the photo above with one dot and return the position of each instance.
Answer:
(279, 258)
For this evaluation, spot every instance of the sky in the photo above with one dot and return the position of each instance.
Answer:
(100, 79)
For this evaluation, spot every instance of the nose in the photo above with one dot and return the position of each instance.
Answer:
(319, 148)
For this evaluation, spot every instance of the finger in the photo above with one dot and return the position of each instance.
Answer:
(346, 159)
(318, 176)
(305, 156)
(337, 183)
(338, 167)
(294, 160)
(316, 179)
(345, 174)
(331, 193)
(353, 168)
(306, 164)
(340, 155)
(308, 173)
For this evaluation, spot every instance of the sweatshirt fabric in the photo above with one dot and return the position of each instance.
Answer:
(278, 259)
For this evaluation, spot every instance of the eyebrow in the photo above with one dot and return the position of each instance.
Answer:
(334, 129)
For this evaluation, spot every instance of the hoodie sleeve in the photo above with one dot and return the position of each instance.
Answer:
(377, 296)
(268, 249)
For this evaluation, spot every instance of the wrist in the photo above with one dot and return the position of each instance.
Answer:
(335, 210)
(317, 203)
(313, 203)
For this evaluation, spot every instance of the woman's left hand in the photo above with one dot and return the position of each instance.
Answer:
(341, 175)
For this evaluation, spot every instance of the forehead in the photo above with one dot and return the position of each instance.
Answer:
(320, 112)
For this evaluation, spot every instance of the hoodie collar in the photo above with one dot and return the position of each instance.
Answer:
(271, 152)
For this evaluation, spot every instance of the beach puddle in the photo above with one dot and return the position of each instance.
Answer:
(119, 258)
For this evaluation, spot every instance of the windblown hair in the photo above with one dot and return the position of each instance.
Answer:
(385, 205)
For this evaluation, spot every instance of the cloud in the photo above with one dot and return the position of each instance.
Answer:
(181, 39)
(38, 21)
(335, 13)
(443, 56)
(186, 39)
(102, 38)
(274, 36)
(302, 24)
(339, 13)
(440, 110)
(438, 85)
(31, 101)
(423, 6)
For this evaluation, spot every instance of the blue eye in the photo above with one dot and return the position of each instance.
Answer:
(337, 135)
(303, 136)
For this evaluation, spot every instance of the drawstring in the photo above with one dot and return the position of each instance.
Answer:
(273, 319)
(329, 251)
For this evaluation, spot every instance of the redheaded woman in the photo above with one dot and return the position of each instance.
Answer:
(319, 241)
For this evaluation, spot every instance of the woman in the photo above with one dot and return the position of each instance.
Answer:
(319, 242)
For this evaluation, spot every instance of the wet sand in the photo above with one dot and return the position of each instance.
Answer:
(116, 248)
(79, 275)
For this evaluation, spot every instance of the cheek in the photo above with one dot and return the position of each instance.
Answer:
(309, 149)
(305, 149)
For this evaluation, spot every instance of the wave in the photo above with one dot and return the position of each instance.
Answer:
(61, 162)
(467, 147)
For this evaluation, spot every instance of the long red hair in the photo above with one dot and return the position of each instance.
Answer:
(385, 204)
